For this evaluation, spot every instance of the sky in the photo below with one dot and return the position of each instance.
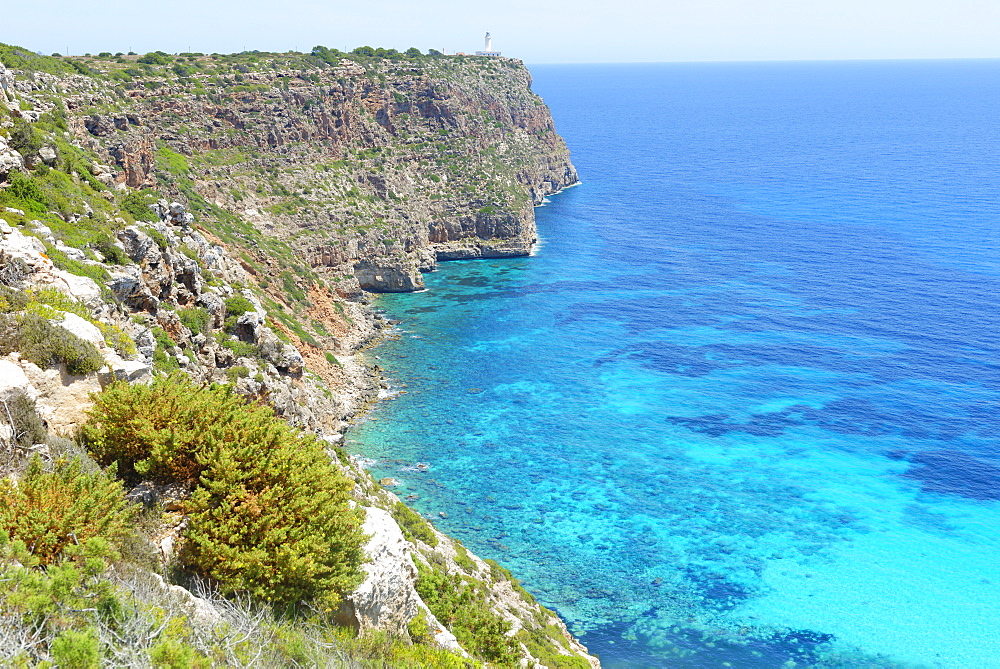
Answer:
(549, 31)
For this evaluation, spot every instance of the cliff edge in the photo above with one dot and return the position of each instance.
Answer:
(222, 218)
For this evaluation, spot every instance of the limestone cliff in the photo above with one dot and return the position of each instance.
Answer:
(376, 169)
(223, 216)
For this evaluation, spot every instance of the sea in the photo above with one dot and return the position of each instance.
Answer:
(741, 407)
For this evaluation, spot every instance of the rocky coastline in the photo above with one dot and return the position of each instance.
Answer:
(227, 217)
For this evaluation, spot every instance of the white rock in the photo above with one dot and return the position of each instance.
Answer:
(13, 379)
(82, 288)
(387, 599)
(43, 231)
(48, 155)
(81, 328)
(62, 399)
(71, 252)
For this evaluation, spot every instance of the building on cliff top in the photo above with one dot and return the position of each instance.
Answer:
(489, 48)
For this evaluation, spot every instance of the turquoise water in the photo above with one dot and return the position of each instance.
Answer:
(742, 404)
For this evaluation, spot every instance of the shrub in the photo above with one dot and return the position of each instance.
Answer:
(270, 513)
(459, 603)
(49, 510)
(237, 305)
(28, 427)
(112, 253)
(195, 319)
(241, 349)
(76, 650)
(45, 344)
(236, 373)
(136, 203)
(413, 525)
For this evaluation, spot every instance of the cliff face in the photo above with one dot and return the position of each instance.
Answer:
(222, 216)
(377, 170)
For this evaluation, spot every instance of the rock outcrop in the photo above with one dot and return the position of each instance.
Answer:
(292, 186)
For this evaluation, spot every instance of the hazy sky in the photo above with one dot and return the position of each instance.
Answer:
(548, 31)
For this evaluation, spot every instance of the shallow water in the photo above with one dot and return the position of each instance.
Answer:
(741, 406)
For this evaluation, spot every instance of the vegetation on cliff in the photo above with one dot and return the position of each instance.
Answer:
(301, 180)
(269, 513)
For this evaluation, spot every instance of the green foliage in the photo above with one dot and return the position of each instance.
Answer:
(237, 305)
(25, 138)
(173, 162)
(162, 361)
(117, 338)
(460, 603)
(195, 319)
(462, 558)
(76, 650)
(377, 649)
(236, 373)
(46, 596)
(242, 349)
(45, 344)
(413, 525)
(269, 515)
(136, 204)
(111, 252)
(49, 510)
(19, 58)
(155, 58)
(541, 643)
(500, 573)
(23, 192)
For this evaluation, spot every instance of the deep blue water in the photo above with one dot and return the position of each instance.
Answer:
(742, 404)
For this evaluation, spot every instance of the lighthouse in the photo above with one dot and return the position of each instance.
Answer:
(489, 47)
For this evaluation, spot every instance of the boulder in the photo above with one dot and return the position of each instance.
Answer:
(83, 329)
(10, 159)
(63, 399)
(128, 287)
(383, 275)
(139, 246)
(13, 381)
(48, 155)
(43, 231)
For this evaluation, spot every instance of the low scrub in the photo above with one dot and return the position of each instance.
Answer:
(413, 525)
(46, 344)
(460, 603)
(269, 514)
(50, 510)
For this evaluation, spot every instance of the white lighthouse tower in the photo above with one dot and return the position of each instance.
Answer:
(489, 47)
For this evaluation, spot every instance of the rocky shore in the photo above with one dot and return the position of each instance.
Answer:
(225, 216)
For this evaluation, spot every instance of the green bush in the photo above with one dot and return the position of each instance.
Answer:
(195, 319)
(236, 373)
(413, 525)
(76, 650)
(49, 510)
(269, 514)
(237, 305)
(161, 360)
(241, 349)
(136, 204)
(460, 604)
(45, 344)
(111, 252)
